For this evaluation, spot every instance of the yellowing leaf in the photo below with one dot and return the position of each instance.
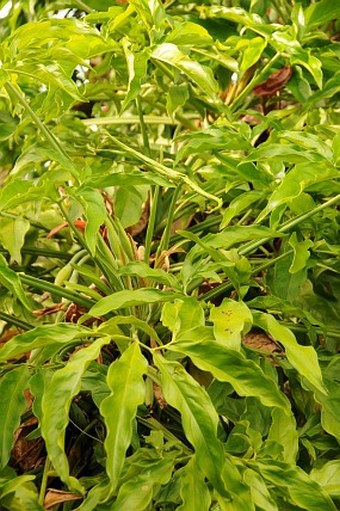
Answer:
(230, 319)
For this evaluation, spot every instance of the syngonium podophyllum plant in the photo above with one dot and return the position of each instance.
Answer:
(169, 259)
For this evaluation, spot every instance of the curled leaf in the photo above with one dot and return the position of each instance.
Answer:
(274, 83)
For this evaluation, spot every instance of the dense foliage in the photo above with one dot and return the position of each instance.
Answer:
(169, 281)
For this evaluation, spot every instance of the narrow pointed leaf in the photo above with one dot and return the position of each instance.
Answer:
(63, 387)
(130, 298)
(125, 380)
(12, 405)
(302, 491)
(95, 210)
(228, 365)
(199, 418)
(303, 358)
(40, 337)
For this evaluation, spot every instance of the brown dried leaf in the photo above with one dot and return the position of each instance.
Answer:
(159, 396)
(54, 497)
(139, 227)
(260, 341)
(274, 83)
(163, 261)
(46, 311)
(28, 454)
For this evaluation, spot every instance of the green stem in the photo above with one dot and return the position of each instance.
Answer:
(15, 321)
(154, 196)
(42, 252)
(44, 481)
(142, 125)
(164, 243)
(254, 81)
(64, 157)
(83, 6)
(166, 172)
(287, 226)
(227, 286)
(55, 290)
(317, 329)
(131, 119)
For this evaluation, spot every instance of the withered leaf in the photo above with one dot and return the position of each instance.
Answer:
(274, 83)
(54, 497)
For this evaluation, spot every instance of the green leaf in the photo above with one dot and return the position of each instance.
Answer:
(238, 205)
(129, 298)
(301, 490)
(143, 271)
(259, 491)
(311, 63)
(62, 388)
(42, 336)
(136, 493)
(177, 97)
(294, 183)
(301, 253)
(38, 383)
(10, 484)
(137, 67)
(328, 477)
(230, 366)
(194, 491)
(95, 211)
(303, 358)
(322, 12)
(25, 497)
(125, 380)
(283, 431)
(202, 76)
(8, 125)
(199, 418)
(230, 319)
(189, 34)
(12, 405)
(182, 315)
(12, 236)
(234, 14)
(129, 202)
(330, 416)
(252, 52)
(236, 234)
(10, 280)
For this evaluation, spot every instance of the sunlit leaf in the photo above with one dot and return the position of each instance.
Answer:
(202, 76)
(126, 298)
(40, 337)
(198, 415)
(230, 319)
(230, 366)
(303, 358)
(125, 380)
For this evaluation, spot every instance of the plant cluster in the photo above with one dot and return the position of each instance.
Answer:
(169, 257)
